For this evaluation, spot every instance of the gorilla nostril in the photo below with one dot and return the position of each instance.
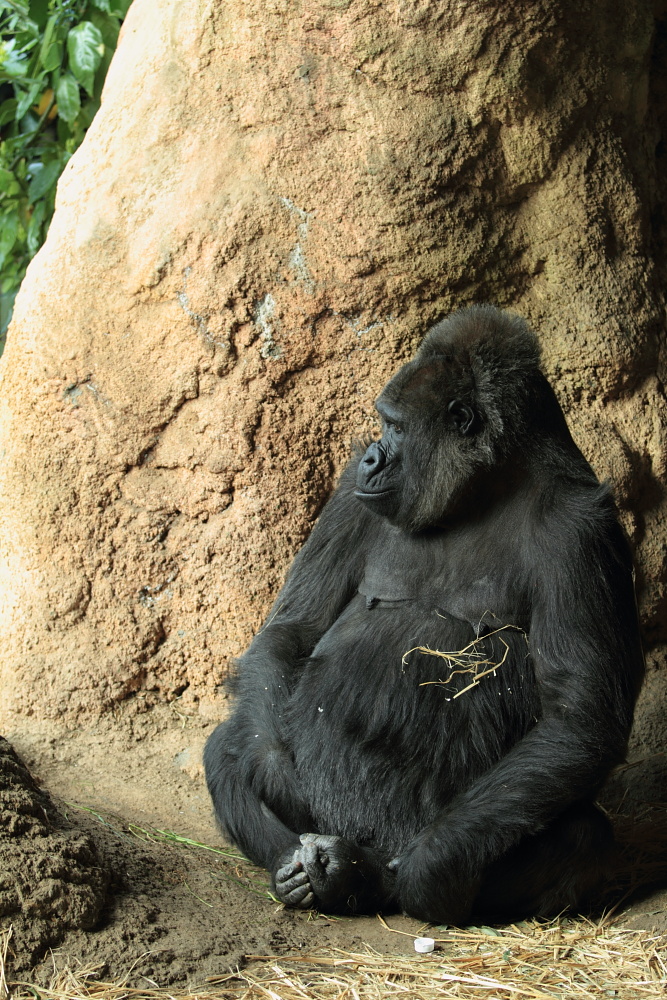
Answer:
(374, 459)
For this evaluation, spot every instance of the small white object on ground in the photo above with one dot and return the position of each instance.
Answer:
(424, 945)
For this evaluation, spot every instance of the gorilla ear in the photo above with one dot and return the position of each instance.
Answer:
(464, 417)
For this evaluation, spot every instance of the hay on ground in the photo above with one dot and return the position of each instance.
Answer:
(575, 959)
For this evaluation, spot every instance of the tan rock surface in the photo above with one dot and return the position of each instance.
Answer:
(273, 204)
(270, 208)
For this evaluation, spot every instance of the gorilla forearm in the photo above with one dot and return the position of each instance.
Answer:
(439, 872)
(245, 819)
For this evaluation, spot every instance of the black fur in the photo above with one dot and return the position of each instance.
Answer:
(365, 771)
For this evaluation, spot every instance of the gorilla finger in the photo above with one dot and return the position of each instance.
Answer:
(310, 855)
(296, 882)
(307, 902)
(313, 865)
(323, 840)
(287, 871)
(300, 897)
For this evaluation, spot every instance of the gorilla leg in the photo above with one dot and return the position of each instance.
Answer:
(554, 870)
(254, 792)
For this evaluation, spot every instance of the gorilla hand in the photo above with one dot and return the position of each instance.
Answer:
(327, 872)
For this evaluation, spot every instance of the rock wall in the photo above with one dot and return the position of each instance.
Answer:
(273, 204)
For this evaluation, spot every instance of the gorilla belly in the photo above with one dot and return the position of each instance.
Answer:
(384, 735)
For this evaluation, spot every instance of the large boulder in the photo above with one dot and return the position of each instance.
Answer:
(272, 205)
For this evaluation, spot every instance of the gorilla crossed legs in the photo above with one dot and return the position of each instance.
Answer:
(450, 670)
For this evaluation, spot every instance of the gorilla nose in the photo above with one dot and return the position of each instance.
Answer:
(374, 459)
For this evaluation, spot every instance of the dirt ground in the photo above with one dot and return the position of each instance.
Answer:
(172, 911)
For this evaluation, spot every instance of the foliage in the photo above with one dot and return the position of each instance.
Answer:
(54, 55)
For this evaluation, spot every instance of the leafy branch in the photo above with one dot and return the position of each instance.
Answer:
(54, 56)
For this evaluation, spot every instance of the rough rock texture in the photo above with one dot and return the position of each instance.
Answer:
(51, 878)
(273, 204)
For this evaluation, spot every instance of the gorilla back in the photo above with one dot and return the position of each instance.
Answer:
(450, 670)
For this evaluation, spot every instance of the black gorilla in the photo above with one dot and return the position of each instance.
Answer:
(450, 670)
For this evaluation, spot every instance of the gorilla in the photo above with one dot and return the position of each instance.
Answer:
(449, 672)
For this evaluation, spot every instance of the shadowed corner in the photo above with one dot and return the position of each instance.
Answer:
(635, 889)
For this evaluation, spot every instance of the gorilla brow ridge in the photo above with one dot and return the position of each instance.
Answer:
(484, 332)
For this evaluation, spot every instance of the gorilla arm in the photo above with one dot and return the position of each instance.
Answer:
(588, 663)
(248, 767)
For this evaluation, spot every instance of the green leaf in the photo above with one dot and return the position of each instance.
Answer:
(8, 111)
(35, 228)
(47, 37)
(10, 282)
(51, 50)
(26, 37)
(109, 28)
(21, 168)
(28, 99)
(12, 62)
(85, 49)
(121, 7)
(44, 179)
(8, 183)
(53, 56)
(19, 6)
(68, 97)
(102, 5)
(6, 307)
(9, 228)
(88, 111)
(39, 11)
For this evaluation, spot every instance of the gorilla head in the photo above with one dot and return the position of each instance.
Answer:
(456, 413)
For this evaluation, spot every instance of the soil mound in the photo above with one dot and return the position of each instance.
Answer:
(51, 877)
(123, 899)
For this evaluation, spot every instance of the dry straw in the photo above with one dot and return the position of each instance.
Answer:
(565, 958)
(469, 660)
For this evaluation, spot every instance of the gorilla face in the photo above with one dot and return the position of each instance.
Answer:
(380, 472)
(426, 452)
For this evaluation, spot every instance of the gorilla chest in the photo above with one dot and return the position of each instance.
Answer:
(468, 577)
(399, 695)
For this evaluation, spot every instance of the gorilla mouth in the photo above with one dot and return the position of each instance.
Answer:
(375, 494)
